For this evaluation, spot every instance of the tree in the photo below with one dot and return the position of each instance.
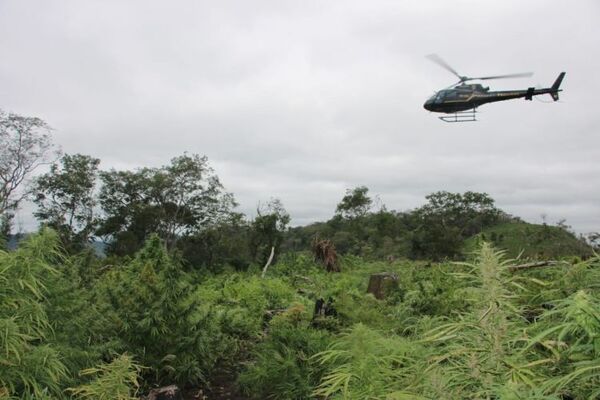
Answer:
(174, 201)
(356, 203)
(65, 198)
(448, 218)
(267, 230)
(25, 144)
(226, 242)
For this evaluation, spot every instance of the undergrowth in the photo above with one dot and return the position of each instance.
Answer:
(72, 327)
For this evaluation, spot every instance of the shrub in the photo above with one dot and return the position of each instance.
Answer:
(282, 366)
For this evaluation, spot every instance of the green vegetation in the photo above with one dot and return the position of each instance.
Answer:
(451, 330)
(182, 296)
(531, 241)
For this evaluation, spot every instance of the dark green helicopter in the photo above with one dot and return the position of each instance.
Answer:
(461, 99)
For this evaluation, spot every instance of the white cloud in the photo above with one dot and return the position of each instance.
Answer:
(301, 100)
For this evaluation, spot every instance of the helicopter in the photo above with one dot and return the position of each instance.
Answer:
(461, 99)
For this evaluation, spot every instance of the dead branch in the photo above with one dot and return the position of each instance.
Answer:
(537, 264)
(268, 261)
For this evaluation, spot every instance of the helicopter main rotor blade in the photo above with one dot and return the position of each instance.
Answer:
(520, 75)
(439, 61)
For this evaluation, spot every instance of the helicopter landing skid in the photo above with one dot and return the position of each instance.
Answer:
(461, 116)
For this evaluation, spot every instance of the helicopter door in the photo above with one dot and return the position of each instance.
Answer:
(452, 95)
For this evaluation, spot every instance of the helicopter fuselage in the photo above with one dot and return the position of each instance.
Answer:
(470, 96)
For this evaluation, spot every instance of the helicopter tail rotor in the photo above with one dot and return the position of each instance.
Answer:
(556, 86)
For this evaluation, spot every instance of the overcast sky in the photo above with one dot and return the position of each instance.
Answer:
(301, 100)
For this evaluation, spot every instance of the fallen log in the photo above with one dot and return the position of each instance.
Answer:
(537, 264)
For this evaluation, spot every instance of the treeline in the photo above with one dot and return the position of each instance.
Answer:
(185, 204)
(435, 230)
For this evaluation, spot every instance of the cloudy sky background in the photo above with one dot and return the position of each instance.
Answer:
(301, 100)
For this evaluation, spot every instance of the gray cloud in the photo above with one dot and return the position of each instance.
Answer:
(301, 100)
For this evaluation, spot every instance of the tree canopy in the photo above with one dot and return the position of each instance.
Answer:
(65, 198)
(356, 203)
(173, 201)
(25, 144)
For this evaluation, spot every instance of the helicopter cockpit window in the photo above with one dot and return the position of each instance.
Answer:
(440, 97)
(451, 95)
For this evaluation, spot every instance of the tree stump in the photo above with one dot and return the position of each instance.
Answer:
(165, 393)
(383, 284)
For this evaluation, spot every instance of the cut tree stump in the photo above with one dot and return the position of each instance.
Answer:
(383, 284)
(165, 393)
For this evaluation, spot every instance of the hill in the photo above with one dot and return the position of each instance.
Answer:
(534, 241)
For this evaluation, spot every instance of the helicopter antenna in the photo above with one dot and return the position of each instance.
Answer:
(440, 61)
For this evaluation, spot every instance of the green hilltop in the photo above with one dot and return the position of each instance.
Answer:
(530, 241)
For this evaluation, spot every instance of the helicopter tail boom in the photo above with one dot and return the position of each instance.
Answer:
(555, 87)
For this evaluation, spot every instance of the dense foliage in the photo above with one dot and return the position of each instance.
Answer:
(456, 330)
(180, 293)
(65, 199)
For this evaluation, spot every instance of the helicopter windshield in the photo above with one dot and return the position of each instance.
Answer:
(439, 96)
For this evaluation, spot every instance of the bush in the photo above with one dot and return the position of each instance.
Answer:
(283, 366)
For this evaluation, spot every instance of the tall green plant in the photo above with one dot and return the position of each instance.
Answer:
(364, 364)
(283, 367)
(29, 365)
(153, 308)
(570, 333)
(117, 380)
(478, 354)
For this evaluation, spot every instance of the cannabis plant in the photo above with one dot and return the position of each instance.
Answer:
(283, 366)
(151, 309)
(477, 353)
(117, 380)
(29, 365)
(569, 335)
(364, 364)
